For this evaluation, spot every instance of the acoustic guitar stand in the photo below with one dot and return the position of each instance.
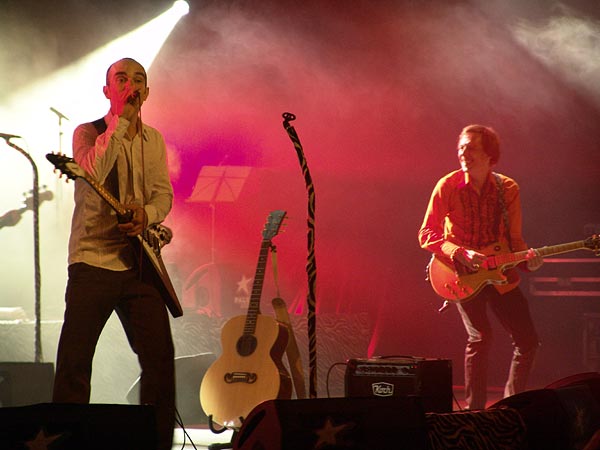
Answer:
(228, 445)
(220, 446)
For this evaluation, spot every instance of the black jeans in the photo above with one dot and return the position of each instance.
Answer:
(91, 296)
(512, 310)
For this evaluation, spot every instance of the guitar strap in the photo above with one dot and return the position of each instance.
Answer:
(275, 268)
(503, 206)
(100, 125)
(292, 351)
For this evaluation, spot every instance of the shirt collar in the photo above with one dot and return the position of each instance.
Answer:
(464, 183)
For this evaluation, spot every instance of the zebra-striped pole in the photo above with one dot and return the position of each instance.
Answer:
(311, 264)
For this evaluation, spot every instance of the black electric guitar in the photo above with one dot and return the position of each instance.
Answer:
(146, 246)
(459, 284)
(250, 369)
(13, 216)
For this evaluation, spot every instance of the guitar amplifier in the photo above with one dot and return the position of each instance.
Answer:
(430, 379)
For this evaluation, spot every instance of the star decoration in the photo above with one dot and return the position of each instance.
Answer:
(243, 285)
(41, 441)
(328, 434)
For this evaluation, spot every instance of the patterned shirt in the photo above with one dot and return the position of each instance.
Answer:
(457, 216)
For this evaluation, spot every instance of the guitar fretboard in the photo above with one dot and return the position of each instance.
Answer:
(509, 259)
(107, 196)
(257, 285)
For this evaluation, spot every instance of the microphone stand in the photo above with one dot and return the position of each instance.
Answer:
(36, 250)
(61, 116)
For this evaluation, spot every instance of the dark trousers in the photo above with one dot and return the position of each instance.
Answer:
(91, 296)
(512, 310)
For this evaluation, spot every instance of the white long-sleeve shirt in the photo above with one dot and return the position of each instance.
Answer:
(95, 238)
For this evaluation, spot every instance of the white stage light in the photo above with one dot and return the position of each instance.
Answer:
(75, 93)
(182, 7)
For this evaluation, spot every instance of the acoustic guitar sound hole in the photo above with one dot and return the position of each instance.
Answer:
(246, 345)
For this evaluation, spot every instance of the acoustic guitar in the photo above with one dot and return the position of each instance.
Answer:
(250, 369)
(458, 284)
(146, 246)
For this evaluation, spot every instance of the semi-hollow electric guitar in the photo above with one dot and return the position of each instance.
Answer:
(146, 246)
(250, 369)
(457, 284)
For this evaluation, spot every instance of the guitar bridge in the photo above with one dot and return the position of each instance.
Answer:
(157, 236)
(240, 377)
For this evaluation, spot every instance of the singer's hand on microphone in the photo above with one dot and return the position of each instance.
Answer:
(131, 104)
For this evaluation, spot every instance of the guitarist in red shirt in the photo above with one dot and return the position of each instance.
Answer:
(472, 212)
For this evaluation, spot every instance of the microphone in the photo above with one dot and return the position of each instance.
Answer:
(133, 98)
(8, 136)
(58, 113)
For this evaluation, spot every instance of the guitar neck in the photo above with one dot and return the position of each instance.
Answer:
(512, 259)
(107, 196)
(257, 285)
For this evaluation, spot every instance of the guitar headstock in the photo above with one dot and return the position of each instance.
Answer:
(66, 165)
(273, 224)
(593, 243)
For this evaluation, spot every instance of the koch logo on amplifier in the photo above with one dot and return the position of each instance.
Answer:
(429, 378)
(383, 389)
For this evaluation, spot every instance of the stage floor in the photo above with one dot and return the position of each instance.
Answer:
(202, 437)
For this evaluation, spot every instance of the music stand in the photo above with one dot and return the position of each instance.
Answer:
(215, 184)
(218, 184)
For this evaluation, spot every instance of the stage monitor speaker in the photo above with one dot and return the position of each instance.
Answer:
(78, 427)
(497, 429)
(564, 415)
(431, 379)
(25, 383)
(189, 371)
(332, 423)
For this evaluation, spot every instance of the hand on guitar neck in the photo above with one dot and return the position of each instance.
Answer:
(135, 223)
(473, 260)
